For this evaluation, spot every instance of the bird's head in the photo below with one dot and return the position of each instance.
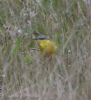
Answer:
(39, 36)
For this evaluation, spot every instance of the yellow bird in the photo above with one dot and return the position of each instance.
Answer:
(46, 46)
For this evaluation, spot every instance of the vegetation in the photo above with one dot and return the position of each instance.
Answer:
(24, 74)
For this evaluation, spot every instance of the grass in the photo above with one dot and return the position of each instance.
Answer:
(24, 74)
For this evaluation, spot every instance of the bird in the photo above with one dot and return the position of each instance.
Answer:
(46, 46)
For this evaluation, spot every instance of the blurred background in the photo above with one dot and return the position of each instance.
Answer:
(24, 75)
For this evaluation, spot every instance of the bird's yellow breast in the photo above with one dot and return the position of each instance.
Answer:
(47, 47)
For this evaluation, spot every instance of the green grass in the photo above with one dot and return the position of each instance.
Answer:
(24, 74)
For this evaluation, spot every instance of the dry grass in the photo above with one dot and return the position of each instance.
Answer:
(25, 75)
